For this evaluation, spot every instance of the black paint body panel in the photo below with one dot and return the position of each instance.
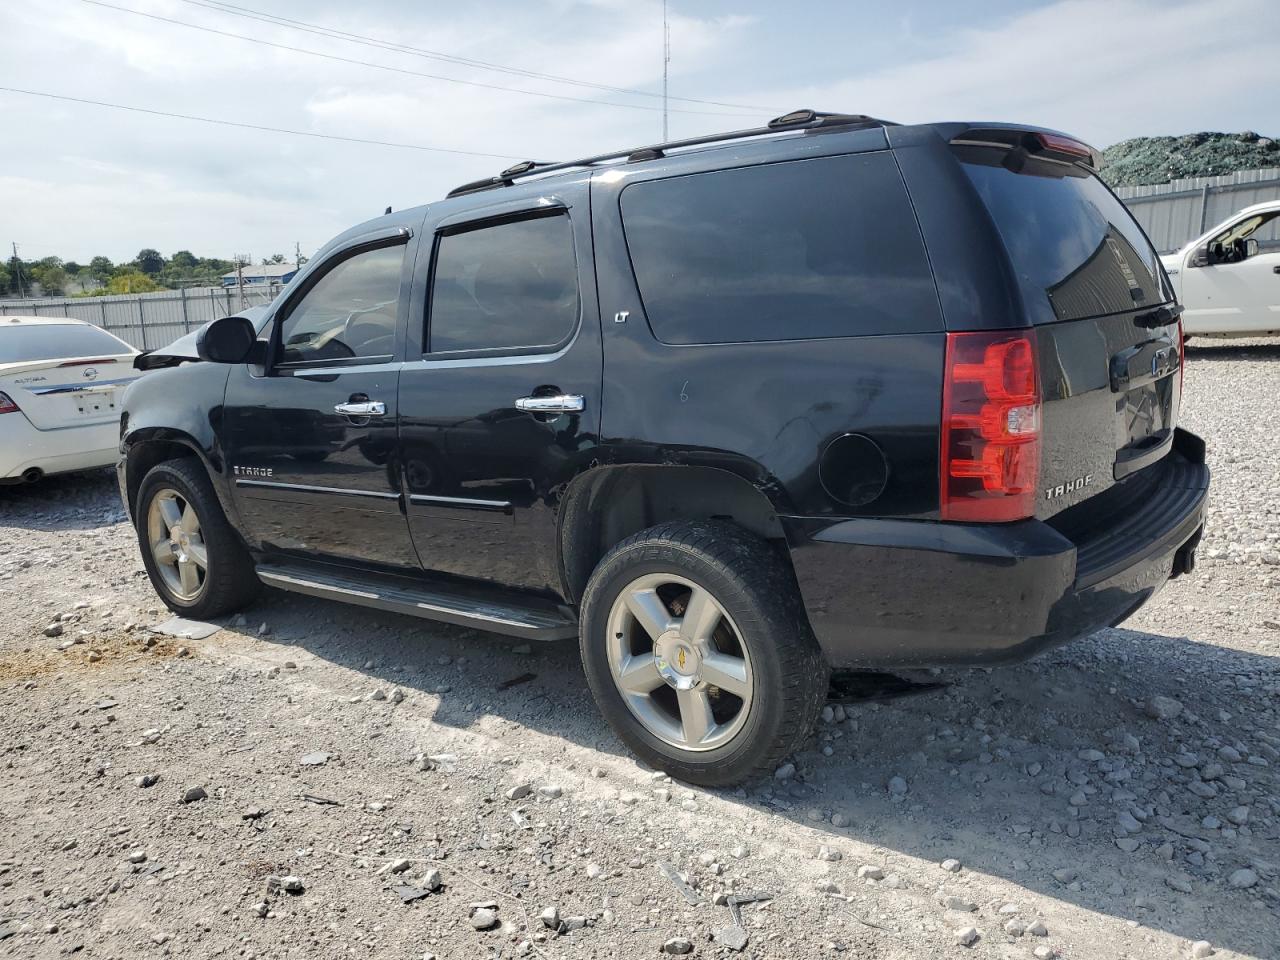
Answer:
(910, 594)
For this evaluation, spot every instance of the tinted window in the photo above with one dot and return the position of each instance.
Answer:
(1074, 247)
(350, 312)
(19, 342)
(509, 285)
(787, 251)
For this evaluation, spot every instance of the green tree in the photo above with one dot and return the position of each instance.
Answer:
(5, 279)
(49, 274)
(53, 279)
(274, 258)
(132, 282)
(149, 261)
(19, 276)
(84, 279)
(184, 262)
(102, 268)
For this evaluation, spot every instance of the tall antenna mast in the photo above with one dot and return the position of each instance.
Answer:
(666, 59)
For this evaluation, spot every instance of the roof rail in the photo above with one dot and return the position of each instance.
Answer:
(795, 120)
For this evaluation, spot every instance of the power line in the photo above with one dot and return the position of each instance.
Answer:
(383, 66)
(235, 10)
(255, 126)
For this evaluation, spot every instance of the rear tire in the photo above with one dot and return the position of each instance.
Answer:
(733, 680)
(194, 558)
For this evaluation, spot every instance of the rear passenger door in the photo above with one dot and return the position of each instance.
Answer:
(500, 399)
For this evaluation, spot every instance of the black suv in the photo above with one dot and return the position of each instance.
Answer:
(730, 410)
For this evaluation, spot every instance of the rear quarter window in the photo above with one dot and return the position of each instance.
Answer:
(786, 251)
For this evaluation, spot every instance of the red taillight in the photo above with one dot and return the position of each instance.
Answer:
(7, 405)
(990, 427)
(86, 363)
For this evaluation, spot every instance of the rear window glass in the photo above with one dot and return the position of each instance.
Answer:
(786, 251)
(22, 342)
(1074, 247)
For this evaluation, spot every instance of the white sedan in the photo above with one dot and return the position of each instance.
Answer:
(1229, 287)
(60, 387)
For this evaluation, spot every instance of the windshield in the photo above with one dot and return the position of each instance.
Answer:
(1076, 250)
(20, 342)
(1244, 229)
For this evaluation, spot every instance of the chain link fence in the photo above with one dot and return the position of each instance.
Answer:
(147, 320)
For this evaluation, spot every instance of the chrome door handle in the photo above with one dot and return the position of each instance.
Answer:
(369, 408)
(563, 403)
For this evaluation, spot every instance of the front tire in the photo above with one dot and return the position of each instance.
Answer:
(195, 561)
(698, 651)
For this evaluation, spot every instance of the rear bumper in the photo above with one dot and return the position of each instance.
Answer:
(23, 447)
(906, 593)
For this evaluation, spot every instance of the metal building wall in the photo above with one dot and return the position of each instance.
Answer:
(1177, 212)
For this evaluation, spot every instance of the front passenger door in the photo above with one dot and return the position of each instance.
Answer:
(1238, 295)
(311, 437)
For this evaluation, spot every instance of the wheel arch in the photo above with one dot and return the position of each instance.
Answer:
(146, 448)
(607, 504)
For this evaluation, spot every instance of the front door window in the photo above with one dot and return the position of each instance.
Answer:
(349, 313)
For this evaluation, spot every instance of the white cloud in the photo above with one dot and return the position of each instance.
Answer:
(82, 180)
(1104, 69)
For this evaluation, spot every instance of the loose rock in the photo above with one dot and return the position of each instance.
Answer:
(1162, 708)
(735, 938)
(1243, 879)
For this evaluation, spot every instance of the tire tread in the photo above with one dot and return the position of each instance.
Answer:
(765, 577)
(231, 581)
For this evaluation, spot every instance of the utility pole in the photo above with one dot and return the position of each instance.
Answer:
(666, 59)
(17, 265)
(241, 260)
(297, 255)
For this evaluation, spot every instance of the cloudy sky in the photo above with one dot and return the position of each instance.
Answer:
(78, 180)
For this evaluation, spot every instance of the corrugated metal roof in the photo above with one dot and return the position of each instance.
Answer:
(275, 270)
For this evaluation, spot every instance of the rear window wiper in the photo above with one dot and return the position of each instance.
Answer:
(1161, 316)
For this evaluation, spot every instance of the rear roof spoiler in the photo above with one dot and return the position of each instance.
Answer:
(1030, 142)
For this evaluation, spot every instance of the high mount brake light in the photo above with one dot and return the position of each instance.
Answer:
(7, 405)
(86, 363)
(1060, 144)
(990, 461)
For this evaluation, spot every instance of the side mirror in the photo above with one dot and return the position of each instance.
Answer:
(227, 340)
(1200, 256)
(1250, 248)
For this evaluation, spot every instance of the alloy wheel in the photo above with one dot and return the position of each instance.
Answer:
(179, 551)
(679, 662)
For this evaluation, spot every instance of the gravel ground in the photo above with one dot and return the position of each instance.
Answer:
(1118, 798)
